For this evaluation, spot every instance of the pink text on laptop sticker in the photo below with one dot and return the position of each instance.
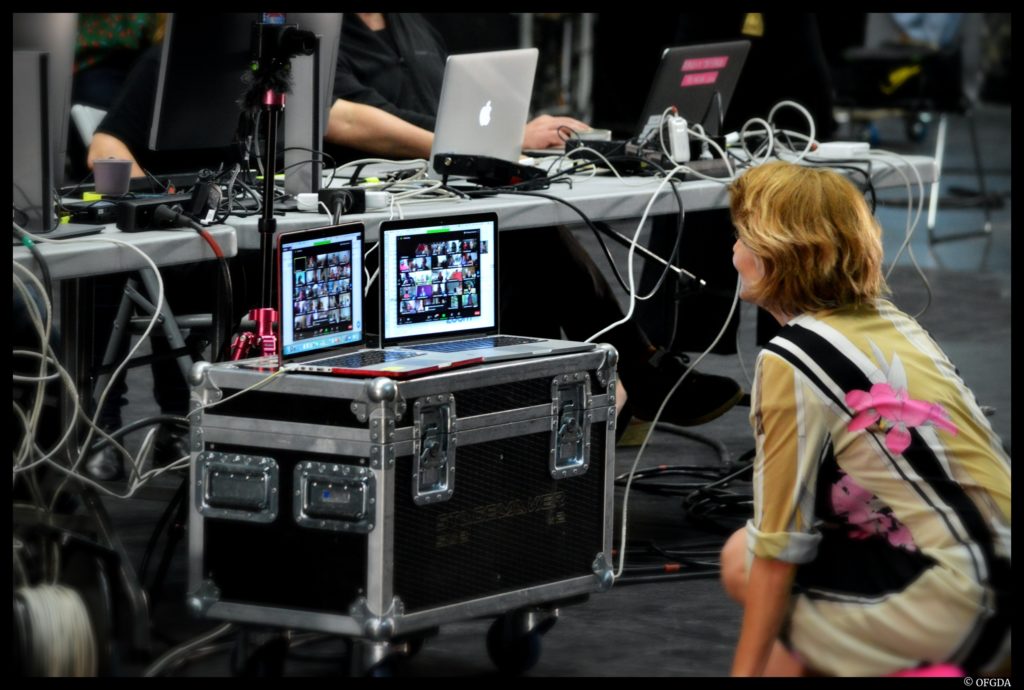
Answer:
(705, 64)
(702, 71)
(699, 79)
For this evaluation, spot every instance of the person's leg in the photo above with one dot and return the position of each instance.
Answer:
(733, 568)
(782, 663)
(733, 574)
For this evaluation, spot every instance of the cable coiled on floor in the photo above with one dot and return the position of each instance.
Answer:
(57, 634)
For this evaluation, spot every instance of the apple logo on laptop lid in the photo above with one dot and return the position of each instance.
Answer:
(485, 114)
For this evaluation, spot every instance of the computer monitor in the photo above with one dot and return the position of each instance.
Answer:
(53, 33)
(200, 86)
(307, 108)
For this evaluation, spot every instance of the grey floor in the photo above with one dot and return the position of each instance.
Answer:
(687, 627)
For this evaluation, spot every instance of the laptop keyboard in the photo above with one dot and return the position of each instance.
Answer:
(476, 343)
(364, 358)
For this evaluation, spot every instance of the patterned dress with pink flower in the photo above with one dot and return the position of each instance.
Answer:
(877, 473)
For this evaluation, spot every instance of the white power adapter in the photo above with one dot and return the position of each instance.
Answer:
(377, 199)
(842, 149)
(308, 202)
(678, 139)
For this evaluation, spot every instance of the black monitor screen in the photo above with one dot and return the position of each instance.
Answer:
(201, 83)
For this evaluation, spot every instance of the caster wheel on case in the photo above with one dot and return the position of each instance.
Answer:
(384, 669)
(260, 657)
(512, 654)
(410, 646)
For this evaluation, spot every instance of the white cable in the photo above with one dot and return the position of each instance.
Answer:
(880, 155)
(92, 423)
(32, 308)
(259, 384)
(728, 166)
(62, 642)
(654, 424)
(769, 145)
(19, 461)
(625, 181)
(77, 412)
(739, 356)
(629, 259)
(810, 122)
(19, 564)
(172, 655)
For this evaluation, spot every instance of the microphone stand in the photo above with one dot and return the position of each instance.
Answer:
(273, 47)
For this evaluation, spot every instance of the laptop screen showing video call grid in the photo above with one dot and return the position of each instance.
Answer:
(321, 273)
(440, 278)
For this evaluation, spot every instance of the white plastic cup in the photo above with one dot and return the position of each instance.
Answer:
(112, 175)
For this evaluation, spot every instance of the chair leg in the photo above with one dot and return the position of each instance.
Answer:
(979, 170)
(118, 333)
(940, 151)
(170, 325)
(984, 231)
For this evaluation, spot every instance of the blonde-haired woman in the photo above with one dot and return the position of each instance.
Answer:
(880, 540)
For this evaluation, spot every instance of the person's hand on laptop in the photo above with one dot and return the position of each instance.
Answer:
(542, 132)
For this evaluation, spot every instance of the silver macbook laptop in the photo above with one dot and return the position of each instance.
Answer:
(440, 290)
(698, 80)
(320, 316)
(485, 103)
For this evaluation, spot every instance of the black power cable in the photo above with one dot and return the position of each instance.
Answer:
(164, 213)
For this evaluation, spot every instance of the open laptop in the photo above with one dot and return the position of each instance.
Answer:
(320, 314)
(699, 81)
(484, 105)
(440, 290)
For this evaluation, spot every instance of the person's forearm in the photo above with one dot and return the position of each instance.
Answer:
(107, 146)
(371, 129)
(765, 605)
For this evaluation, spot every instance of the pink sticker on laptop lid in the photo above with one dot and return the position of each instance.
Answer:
(699, 79)
(705, 64)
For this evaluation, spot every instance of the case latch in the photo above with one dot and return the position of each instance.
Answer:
(335, 497)
(570, 425)
(433, 449)
(236, 487)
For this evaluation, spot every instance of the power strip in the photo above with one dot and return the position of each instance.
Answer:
(842, 149)
(310, 203)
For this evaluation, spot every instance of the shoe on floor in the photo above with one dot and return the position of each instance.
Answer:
(699, 399)
(105, 465)
(171, 445)
(633, 433)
